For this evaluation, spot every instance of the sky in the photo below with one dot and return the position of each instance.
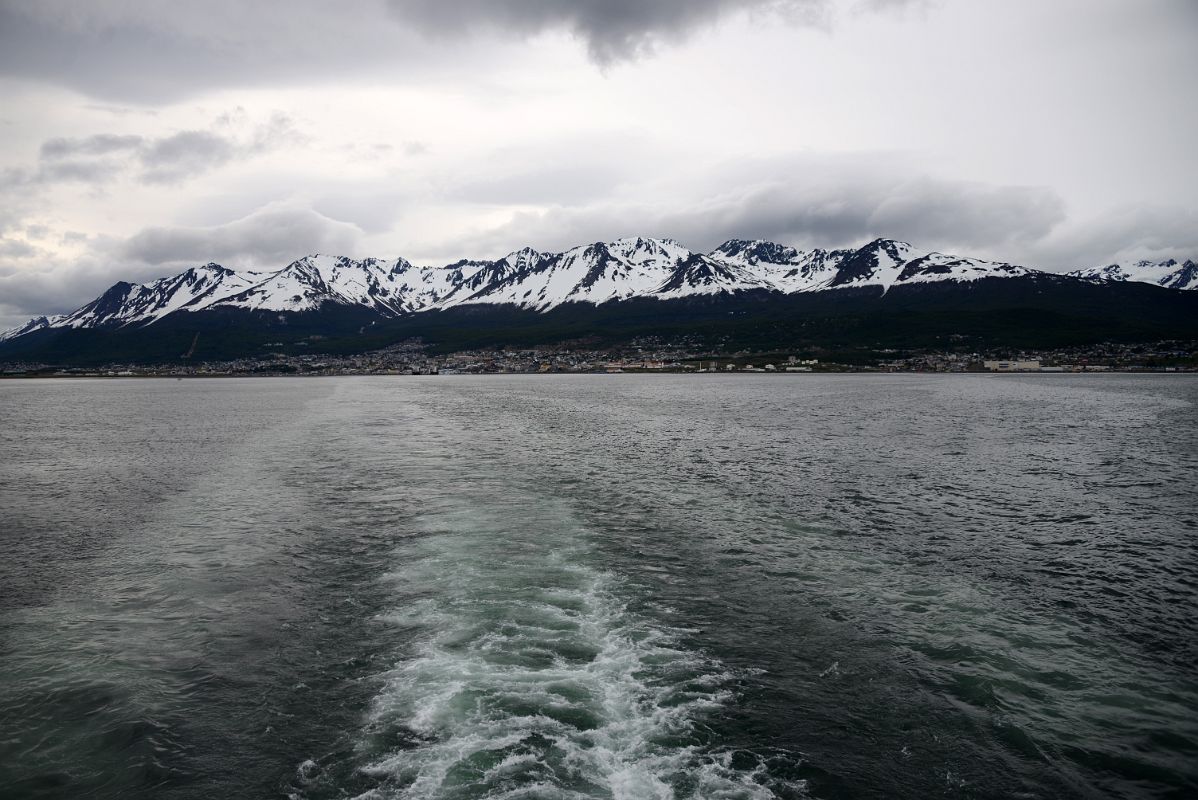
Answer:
(140, 137)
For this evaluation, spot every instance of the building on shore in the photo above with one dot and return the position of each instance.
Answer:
(1012, 366)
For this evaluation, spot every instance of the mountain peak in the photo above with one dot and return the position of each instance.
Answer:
(889, 245)
(1167, 273)
(755, 251)
(595, 273)
(654, 247)
(643, 241)
(523, 256)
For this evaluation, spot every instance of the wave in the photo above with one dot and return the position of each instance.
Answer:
(529, 676)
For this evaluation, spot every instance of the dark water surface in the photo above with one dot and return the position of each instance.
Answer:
(600, 587)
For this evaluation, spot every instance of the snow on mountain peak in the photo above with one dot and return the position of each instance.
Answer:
(594, 273)
(523, 258)
(1168, 273)
(755, 251)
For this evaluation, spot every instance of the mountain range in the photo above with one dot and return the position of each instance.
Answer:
(604, 275)
(528, 279)
(1169, 274)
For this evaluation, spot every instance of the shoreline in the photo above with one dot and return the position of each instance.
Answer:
(605, 374)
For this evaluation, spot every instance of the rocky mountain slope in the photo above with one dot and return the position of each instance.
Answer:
(598, 273)
(1169, 274)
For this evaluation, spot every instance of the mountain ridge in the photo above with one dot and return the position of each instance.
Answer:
(594, 273)
(1169, 273)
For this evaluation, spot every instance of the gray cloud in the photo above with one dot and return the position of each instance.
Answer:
(270, 237)
(78, 171)
(968, 214)
(15, 248)
(372, 210)
(551, 183)
(99, 145)
(55, 286)
(121, 111)
(154, 160)
(968, 218)
(143, 51)
(20, 185)
(540, 172)
(698, 145)
(894, 6)
(278, 131)
(184, 154)
(273, 235)
(1155, 232)
(612, 30)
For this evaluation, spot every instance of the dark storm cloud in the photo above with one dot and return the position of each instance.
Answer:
(612, 30)
(144, 51)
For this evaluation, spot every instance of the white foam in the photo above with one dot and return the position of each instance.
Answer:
(532, 678)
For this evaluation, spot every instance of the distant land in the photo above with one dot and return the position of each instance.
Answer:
(745, 295)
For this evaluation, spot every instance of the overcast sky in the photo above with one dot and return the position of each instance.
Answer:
(138, 137)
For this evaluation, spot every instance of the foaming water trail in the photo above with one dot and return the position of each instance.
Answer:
(530, 677)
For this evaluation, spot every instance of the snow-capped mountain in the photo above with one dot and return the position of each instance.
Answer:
(197, 287)
(312, 281)
(600, 273)
(597, 273)
(883, 262)
(35, 324)
(1169, 274)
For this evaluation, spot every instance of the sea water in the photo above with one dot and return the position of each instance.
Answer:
(600, 587)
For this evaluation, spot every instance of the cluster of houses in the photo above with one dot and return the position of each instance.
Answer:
(412, 357)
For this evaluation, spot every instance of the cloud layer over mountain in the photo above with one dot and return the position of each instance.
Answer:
(140, 137)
